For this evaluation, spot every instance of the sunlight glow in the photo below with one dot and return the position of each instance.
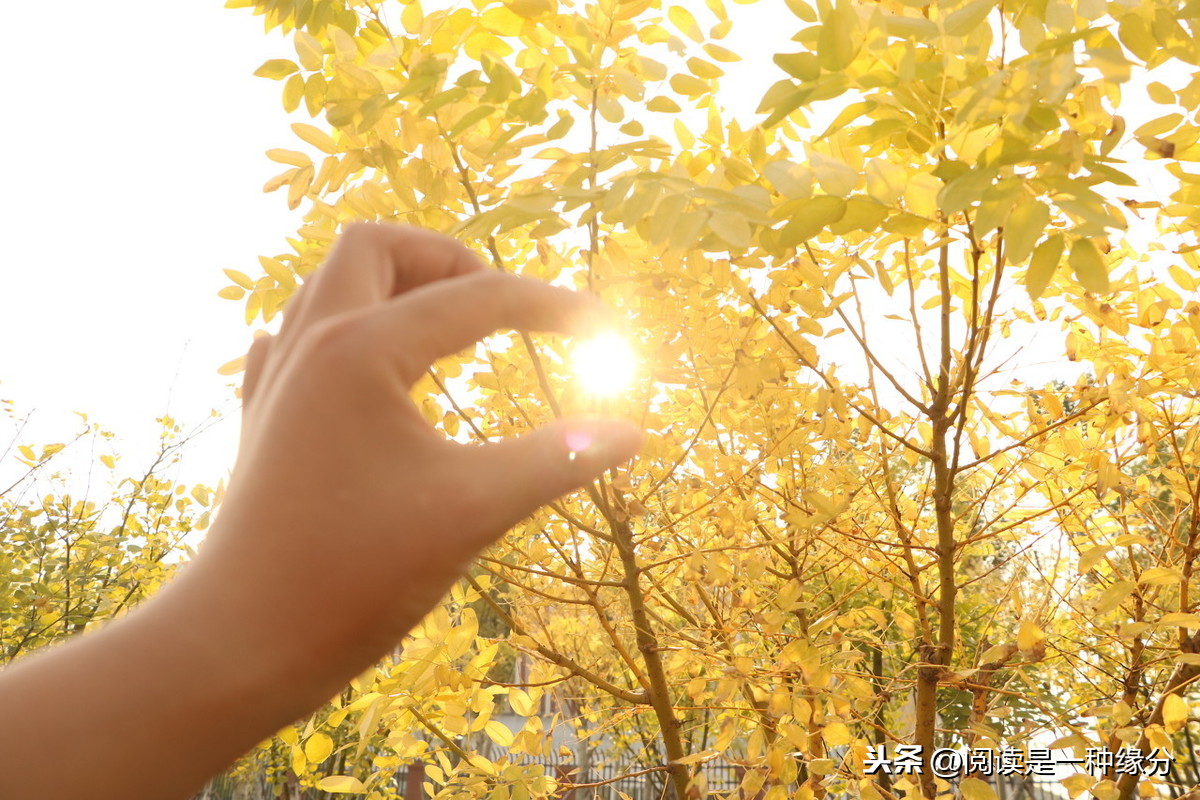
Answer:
(604, 365)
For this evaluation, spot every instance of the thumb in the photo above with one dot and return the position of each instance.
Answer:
(531, 470)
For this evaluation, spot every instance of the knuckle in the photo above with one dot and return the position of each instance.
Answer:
(360, 230)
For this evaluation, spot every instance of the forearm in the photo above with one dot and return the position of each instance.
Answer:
(153, 704)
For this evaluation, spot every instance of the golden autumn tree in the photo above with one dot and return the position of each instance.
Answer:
(77, 552)
(867, 513)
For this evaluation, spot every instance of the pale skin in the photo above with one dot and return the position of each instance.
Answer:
(347, 519)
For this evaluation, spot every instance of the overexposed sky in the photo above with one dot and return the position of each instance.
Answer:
(131, 165)
(132, 162)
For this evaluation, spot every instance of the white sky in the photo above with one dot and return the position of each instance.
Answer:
(132, 166)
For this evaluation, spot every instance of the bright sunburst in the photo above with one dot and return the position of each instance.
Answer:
(604, 364)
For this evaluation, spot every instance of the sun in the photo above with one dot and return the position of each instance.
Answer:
(604, 365)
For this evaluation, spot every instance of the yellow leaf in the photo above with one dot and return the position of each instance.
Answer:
(108, 462)
(688, 85)
(1174, 713)
(412, 18)
(299, 186)
(277, 270)
(1078, 783)
(299, 762)
(1029, 636)
(499, 733)
(1113, 596)
(836, 178)
(312, 56)
(232, 293)
(1160, 576)
(292, 158)
(240, 278)
(682, 19)
(282, 179)
(697, 758)
(920, 195)
(341, 784)
(1025, 226)
(720, 53)
(836, 734)
(976, 789)
(1089, 266)
(521, 704)
(276, 69)
(316, 137)
(1043, 264)
(318, 747)
(232, 367)
(663, 105)
(885, 180)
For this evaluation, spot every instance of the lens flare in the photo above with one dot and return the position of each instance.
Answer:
(604, 365)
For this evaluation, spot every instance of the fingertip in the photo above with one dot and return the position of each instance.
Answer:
(594, 444)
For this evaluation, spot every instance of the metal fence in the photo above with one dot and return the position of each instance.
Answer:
(604, 781)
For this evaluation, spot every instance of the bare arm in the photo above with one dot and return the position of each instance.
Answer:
(346, 520)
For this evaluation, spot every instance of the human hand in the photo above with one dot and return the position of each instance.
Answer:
(347, 511)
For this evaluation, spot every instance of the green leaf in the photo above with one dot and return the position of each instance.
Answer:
(1043, 265)
(1025, 226)
(276, 69)
(1089, 266)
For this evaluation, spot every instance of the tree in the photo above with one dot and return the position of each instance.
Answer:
(849, 527)
(70, 561)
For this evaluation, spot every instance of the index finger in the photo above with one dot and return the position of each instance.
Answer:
(372, 262)
(442, 319)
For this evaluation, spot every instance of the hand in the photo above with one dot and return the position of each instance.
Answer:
(358, 509)
(346, 520)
